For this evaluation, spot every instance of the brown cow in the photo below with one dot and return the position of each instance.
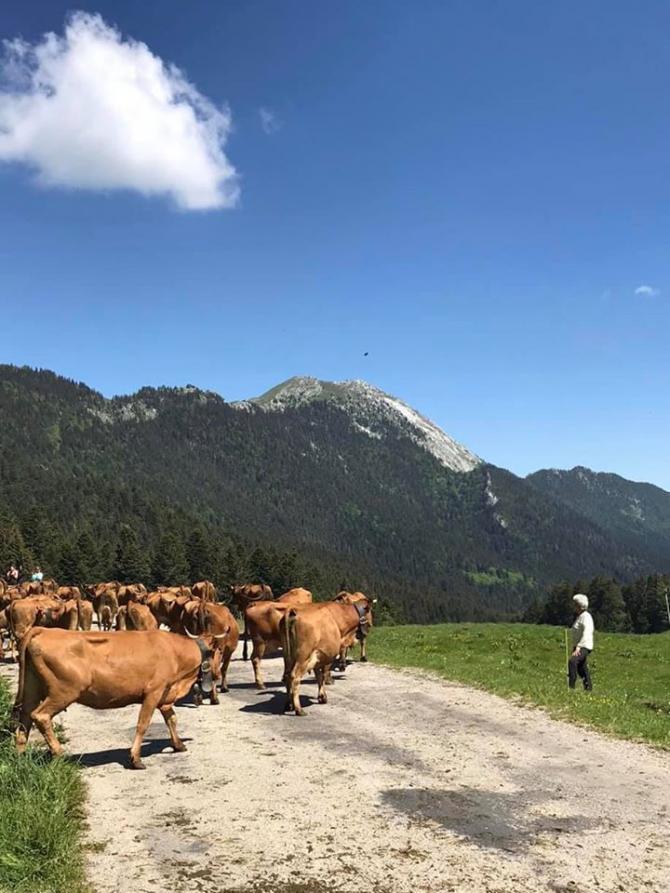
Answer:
(40, 610)
(312, 637)
(352, 598)
(67, 592)
(262, 622)
(167, 608)
(132, 592)
(99, 670)
(104, 595)
(4, 628)
(106, 607)
(135, 616)
(205, 590)
(85, 612)
(244, 594)
(205, 617)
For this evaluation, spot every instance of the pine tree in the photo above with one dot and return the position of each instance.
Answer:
(235, 567)
(13, 549)
(559, 607)
(201, 556)
(170, 567)
(72, 569)
(261, 566)
(41, 539)
(607, 605)
(132, 562)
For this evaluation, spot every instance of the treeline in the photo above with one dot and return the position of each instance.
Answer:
(181, 554)
(638, 607)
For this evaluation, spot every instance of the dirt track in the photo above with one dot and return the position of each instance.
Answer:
(401, 783)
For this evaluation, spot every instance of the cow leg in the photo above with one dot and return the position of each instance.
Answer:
(320, 673)
(364, 651)
(22, 719)
(43, 715)
(245, 655)
(293, 680)
(146, 712)
(225, 663)
(170, 718)
(256, 657)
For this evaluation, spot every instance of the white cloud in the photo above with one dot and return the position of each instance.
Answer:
(269, 120)
(91, 110)
(647, 291)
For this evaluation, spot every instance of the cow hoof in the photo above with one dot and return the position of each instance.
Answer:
(260, 686)
(224, 689)
(364, 660)
(299, 712)
(181, 749)
(137, 764)
(322, 699)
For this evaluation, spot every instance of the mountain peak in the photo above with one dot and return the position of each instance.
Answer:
(373, 412)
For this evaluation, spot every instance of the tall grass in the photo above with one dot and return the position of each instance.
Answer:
(631, 674)
(41, 818)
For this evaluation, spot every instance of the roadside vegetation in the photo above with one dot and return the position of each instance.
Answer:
(631, 673)
(41, 818)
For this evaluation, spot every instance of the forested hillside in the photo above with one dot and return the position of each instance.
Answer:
(636, 513)
(325, 490)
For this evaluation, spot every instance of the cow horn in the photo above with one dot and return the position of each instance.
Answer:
(221, 635)
(190, 635)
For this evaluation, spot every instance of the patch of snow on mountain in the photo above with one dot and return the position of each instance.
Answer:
(370, 433)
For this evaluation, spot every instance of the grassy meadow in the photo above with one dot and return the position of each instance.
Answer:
(631, 673)
(41, 818)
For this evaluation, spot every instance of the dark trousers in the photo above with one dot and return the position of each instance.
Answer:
(578, 666)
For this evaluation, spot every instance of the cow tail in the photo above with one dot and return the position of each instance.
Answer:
(288, 635)
(202, 618)
(23, 657)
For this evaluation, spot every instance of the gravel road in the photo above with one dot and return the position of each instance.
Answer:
(402, 783)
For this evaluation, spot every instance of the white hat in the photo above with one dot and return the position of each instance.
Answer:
(581, 600)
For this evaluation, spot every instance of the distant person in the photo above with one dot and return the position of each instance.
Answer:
(12, 575)
(37, 575)
(582, 643)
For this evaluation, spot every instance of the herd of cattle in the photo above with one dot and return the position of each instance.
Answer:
(153, 648)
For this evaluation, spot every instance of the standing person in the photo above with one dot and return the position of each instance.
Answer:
(37, 575)
(12, 575)
(582, 642)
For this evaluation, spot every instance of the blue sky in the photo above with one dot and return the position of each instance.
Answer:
(471, 193)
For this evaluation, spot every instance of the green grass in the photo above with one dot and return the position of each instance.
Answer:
(41, 818)
(631, 674)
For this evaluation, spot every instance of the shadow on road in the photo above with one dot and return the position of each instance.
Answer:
(487, 818)
(119, 755)
(275, 704)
